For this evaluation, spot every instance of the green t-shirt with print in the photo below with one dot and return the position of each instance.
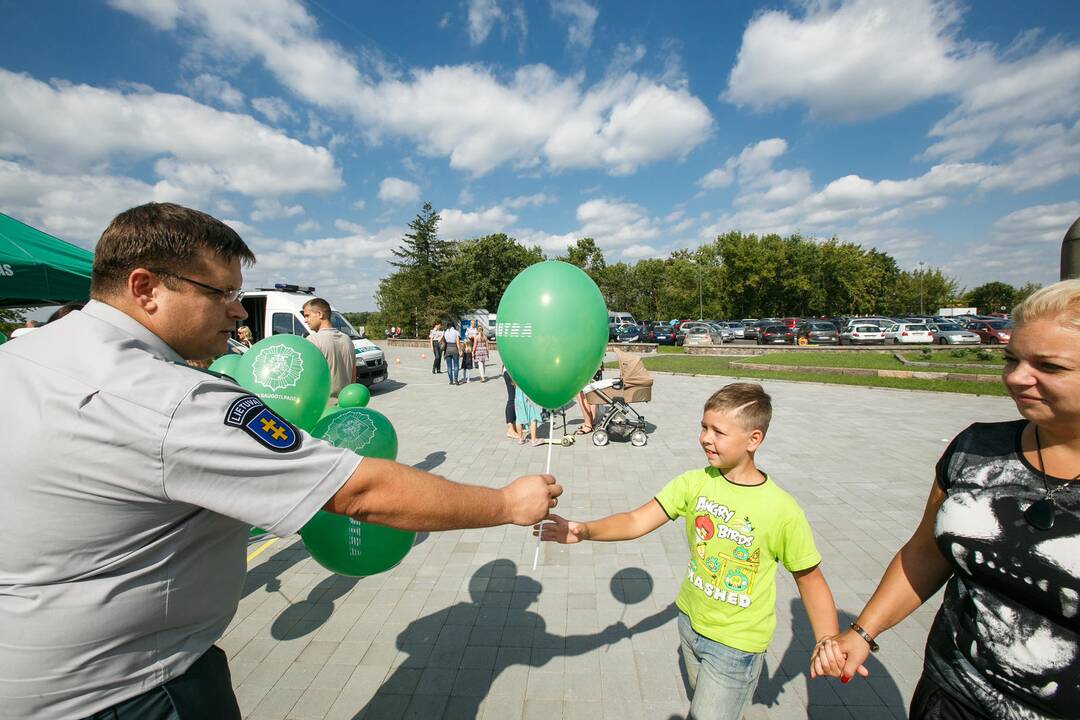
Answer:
(737, 534)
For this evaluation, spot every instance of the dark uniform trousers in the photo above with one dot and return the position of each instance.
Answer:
(204, 692)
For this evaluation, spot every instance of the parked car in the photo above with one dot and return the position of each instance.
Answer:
(862, 334)
(628, 333)
(953, 334)
(776, 335)
(615, 319)
(909, 334)
(738, 329)
(992, 332)
(661, 334)
(697, 335)
(726, 333)
(716, 338)
(816, 332)
(752, 332)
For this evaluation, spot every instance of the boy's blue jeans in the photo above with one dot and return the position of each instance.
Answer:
(722, 678)
(452, 368)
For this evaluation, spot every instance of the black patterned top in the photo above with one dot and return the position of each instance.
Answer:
(1007, 636)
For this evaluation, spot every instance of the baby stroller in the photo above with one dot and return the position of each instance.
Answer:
(633, 385)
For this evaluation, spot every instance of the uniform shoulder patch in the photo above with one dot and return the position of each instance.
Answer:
(251, 415)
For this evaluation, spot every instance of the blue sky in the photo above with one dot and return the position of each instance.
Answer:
(939, 132)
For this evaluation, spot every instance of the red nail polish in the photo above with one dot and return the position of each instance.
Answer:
(844, 679)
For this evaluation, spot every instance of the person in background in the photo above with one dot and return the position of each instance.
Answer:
(28, 327)
(335, 345)
(244, 335)
(510, 412)
(466, 351)
(527, 413)
(437, 345)
(452, 343)
(1001, 532)
(64, 310)
(588, 412)
(480, 353)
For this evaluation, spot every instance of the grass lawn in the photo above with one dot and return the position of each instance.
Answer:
(879, 361)
(714, 365)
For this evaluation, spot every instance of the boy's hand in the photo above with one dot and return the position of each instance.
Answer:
(838, 657)
(560, 530)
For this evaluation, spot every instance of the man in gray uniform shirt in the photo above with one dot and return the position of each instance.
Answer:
(130, 482)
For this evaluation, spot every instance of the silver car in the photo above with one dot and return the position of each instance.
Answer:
(953, 334)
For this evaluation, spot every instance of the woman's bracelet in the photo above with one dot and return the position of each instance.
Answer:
(865, 636)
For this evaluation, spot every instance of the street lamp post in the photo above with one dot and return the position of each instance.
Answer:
(700, 311)
(922, 276)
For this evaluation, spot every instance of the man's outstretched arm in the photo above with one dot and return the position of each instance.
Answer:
(389, 493)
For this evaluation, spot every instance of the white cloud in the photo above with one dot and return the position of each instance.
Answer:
(854, 59)
(308, 226)
(580, 17)
(71, 128)
(466, 113)
(718, 177)
(240, 227)
(484, 14)
(360, 204)
(398, 192)
(635, 252)
(614, 224)
(273, 109)
(215, 89)
(523, 201)
(162, 14)
(78, 206)
(1024, 245)
(456, 224)
(272, 209)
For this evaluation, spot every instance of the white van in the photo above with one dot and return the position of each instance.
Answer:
(615, 319)
(278, 310)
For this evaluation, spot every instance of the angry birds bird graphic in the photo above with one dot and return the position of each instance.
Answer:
(747, 526)
(703, 526)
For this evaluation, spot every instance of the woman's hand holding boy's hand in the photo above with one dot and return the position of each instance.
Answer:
(560, 530)
(839, 657)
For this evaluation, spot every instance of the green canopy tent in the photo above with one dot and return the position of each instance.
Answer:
(38, 269)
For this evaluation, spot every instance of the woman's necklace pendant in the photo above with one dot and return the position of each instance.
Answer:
(1040, 514)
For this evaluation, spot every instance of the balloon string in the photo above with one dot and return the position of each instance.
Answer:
(547, 471)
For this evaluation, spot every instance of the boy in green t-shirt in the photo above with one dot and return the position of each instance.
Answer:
(739, 525)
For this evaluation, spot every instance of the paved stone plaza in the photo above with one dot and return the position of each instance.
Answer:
(464, 628)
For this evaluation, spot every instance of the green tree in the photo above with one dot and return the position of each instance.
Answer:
(588, 256)
(480, 269)
(416, 294)
(1025, 291)
(991, 297)
(11, 318)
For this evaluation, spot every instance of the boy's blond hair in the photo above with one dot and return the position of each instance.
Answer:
(1059, 302)
(748, 403)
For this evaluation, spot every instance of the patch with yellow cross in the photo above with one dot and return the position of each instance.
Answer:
(251, 415)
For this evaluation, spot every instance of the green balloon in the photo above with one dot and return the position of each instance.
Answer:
(226, 365)
(552, 331)
(290, 375)
(339, 543)
(354, 395)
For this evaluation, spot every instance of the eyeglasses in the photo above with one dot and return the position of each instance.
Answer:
(227, 296)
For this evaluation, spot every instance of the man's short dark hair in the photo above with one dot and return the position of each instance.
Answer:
(320, 306)
(160, 236)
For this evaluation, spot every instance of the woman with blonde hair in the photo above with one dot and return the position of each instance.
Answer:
(1001, 532)
(243, 333)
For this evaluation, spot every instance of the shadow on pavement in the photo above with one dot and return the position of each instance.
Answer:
(432, 461)
(308, 615)
(823, 692)
(454, 655)
(386, 386)
(266, 575)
